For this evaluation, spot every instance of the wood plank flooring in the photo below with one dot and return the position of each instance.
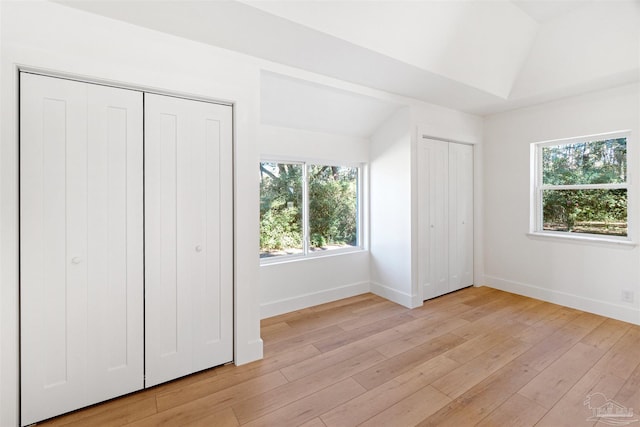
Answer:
(477, 357)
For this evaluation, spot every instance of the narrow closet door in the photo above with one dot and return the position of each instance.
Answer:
(460, 216)
(189, 247)
(81, 237)
(434, 166)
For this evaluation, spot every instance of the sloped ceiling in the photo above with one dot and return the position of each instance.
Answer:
(479, 44)
(299, 104)
(545, 11)
(475, 56)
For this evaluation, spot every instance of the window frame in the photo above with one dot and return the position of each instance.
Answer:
(538, 187)
(306, 236)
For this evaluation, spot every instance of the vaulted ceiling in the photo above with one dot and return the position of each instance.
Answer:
(472, 55)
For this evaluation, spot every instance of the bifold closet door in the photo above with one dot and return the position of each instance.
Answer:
(81, 245)
(445, 222)
(188, 237)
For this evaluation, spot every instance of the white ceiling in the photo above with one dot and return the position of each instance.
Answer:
(445, 38)
(299, 104)
(472, 55)
(545, 11)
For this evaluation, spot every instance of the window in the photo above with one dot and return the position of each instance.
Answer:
(281, 209)
(308, 208)
(581, 187)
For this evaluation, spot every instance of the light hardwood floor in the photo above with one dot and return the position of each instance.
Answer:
(475, 357)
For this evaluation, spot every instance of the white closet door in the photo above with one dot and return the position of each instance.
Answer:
(434, 164)
(445, 219)
(81, 239)
(460, 216)
(188, 231)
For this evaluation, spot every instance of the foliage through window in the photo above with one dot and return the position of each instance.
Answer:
(281, 188)
(306, 208)
(581, 186)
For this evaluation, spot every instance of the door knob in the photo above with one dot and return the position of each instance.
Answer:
(198, 248)
(76, 260)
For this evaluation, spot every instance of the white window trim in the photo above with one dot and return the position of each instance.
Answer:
(537, 188)
(307, 254)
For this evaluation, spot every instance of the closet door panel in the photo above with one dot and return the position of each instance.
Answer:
(424, 253)
(165, 303)
(189, 241)
(437, 235)
(115, 241)
(63, 224)
(460, 216)
(52, 295)
(213, 239)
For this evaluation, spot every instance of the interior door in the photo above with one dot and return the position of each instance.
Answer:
(188, 231)
(81, 240)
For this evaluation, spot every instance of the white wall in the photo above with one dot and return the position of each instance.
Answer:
(449, 124)
(276, 141)
(391, 210)
(53, 37)
(294, 284)
(587, 276)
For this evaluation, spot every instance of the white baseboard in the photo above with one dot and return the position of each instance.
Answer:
(309, 300)
(603, 308)
(409, 301)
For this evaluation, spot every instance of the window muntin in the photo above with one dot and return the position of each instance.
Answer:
(581, 187)
(308, 208)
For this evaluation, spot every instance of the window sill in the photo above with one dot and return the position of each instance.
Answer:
(285, 259)
(583, 239)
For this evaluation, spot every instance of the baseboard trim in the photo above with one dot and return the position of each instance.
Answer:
(394, 295)
(614, 311)
(315, 298)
